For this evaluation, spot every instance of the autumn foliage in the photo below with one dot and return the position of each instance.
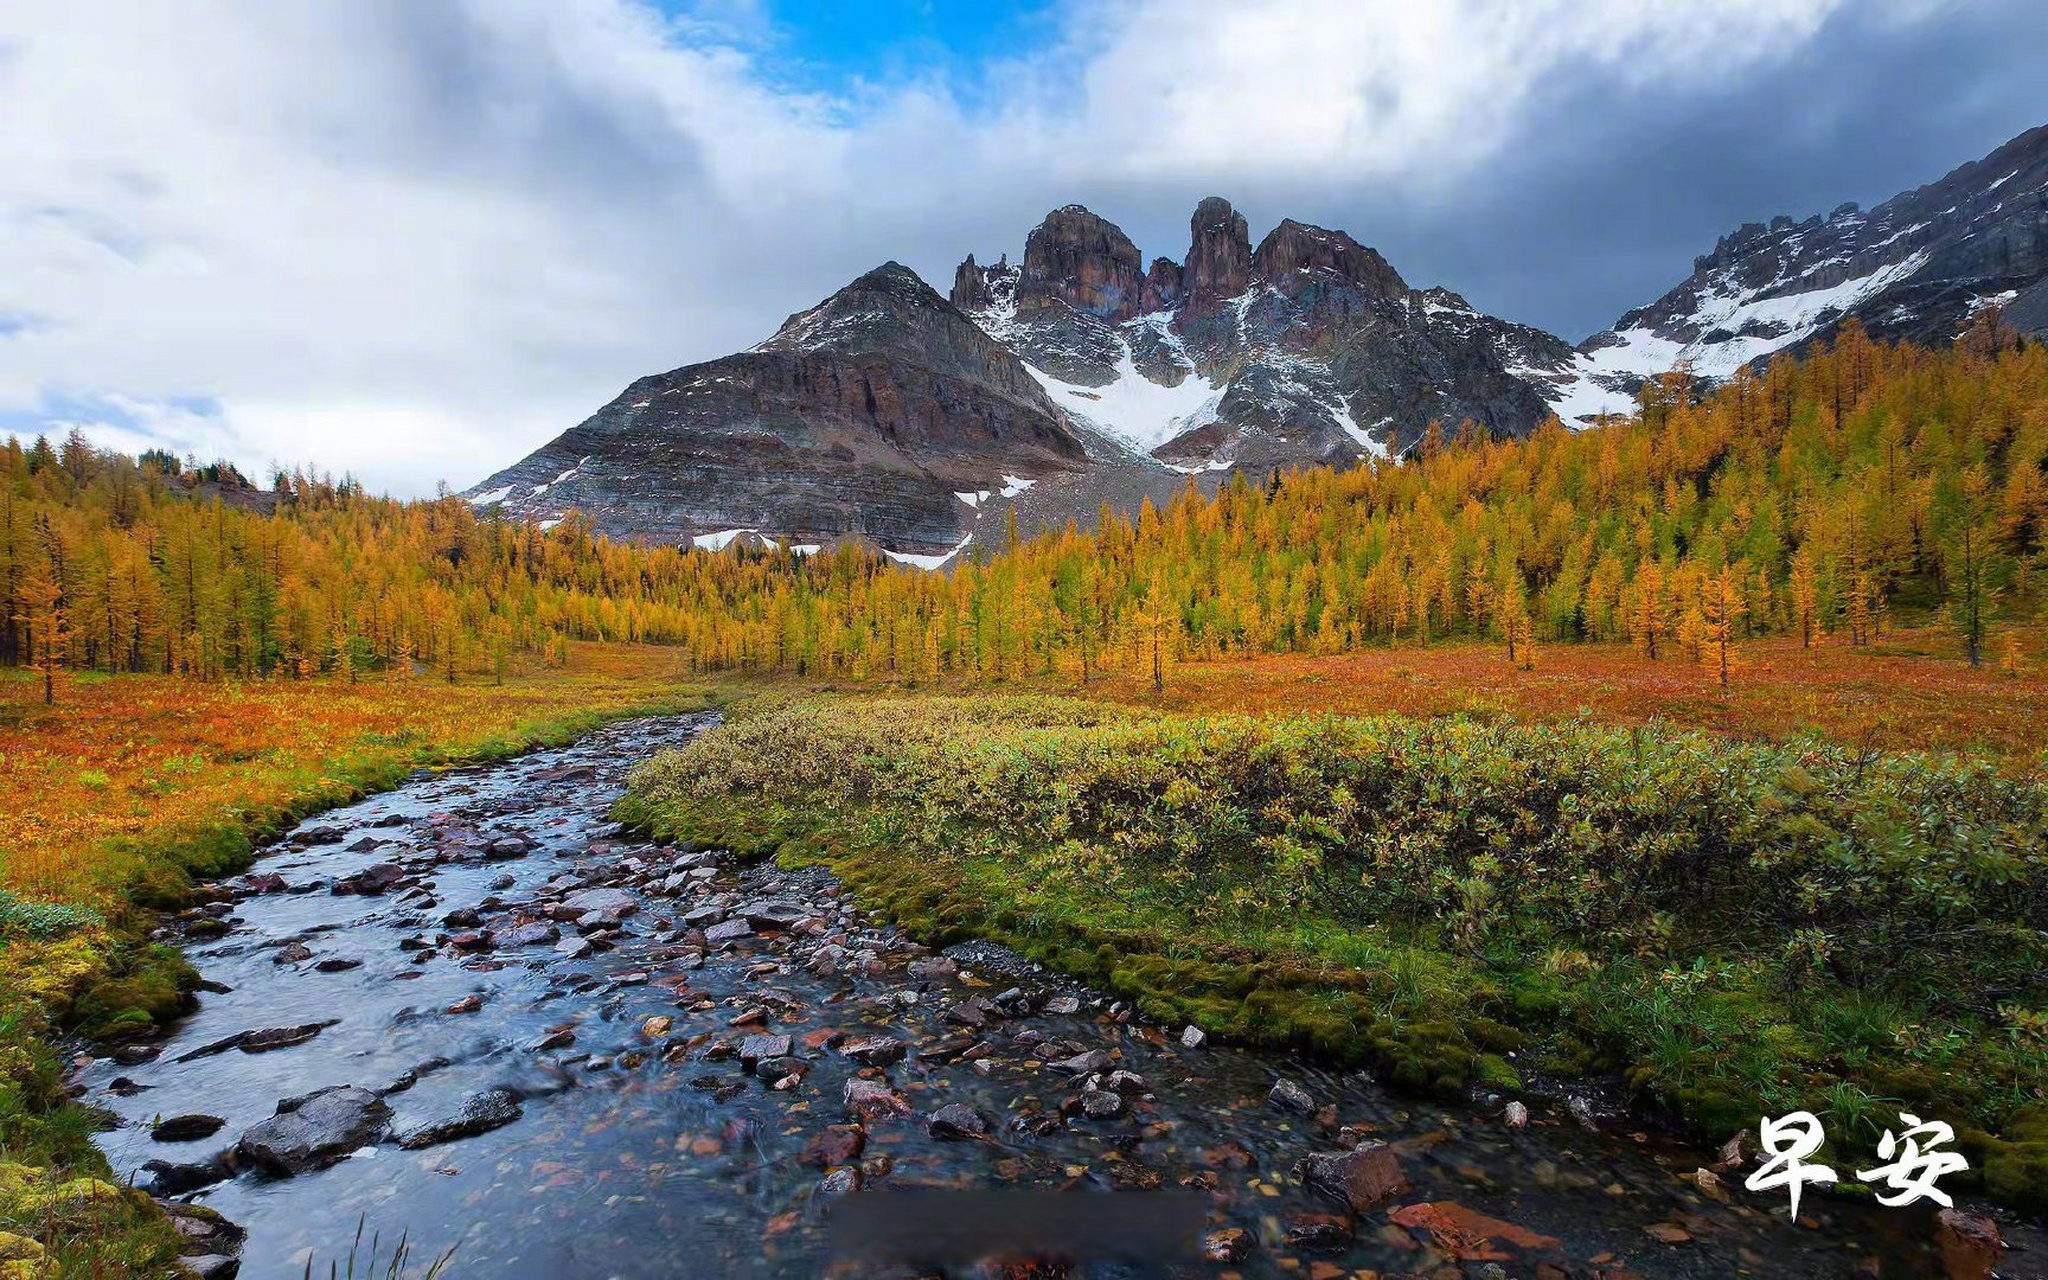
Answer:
(1814, 499)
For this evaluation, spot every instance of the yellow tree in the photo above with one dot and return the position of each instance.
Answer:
(1721, 608)
(1646, 618)
(1805, 597)
(1154, 623)
(40, 610)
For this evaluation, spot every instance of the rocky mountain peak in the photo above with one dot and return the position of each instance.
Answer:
(1083, 260)
(1219, 261)
(1294, 250)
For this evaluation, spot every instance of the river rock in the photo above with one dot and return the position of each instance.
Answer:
(836, 1145)
(1128, 1083)
(187, 1128)
(1082, 1064)
(727, 932)
(1101, 1104)
(378, 878)
(873, 1100)
(507, 847)
(772, 914)
(957, 1120)
(1231, 1244)
(839, 1182)
(1317, 1232)
(269, 1038)
(615, 902)
(176, 1178)
(317, 1130)
(537, 933)
(1969, 1242)
(756, 1049)
(1363, 1178)
(201, 1228)
(1193, 1037)
(875, 1051)
(1289, 1096)
(1515, 1115)
(480, 1113)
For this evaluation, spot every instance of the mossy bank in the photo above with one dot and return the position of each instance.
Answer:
(1735, 929)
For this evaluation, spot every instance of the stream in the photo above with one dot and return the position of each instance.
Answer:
(473, 1012)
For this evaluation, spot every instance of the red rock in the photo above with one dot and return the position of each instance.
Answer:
(1231, 1244)
(1467, 1234)
(1970, 1244)
(1363, 1178)
(837, 1145)
(872, 1100)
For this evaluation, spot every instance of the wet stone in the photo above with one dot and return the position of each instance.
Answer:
(872, 1100)
(837, 1144)
(539, 933)
(316, 1130)
(1289, 1096)
(1231, 1244)
(839, 1182)
(176, 1178)
(370, 881)
(186, 1128)
(1362, 1179)
(1081, 1064)
(756, 1049)
(480, 1113)
(614, 902)
(727, 932)
(875, 1051)
(280, 1037)
(957, 1120)
(773, 915)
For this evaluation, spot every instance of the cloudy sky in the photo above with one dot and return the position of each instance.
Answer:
(412, 240)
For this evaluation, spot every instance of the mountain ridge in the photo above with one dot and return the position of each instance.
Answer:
(1087, 374)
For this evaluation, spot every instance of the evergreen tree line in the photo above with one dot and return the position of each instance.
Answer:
(1810, 499)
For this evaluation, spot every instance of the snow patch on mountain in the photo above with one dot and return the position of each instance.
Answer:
(929, 562)
(1132, 406)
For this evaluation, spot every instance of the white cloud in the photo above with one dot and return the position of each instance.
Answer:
(415, 240)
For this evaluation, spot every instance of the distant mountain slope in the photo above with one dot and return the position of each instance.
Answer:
(1916, 268)
(863, 416)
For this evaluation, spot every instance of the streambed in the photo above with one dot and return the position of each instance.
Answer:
(496, 1023)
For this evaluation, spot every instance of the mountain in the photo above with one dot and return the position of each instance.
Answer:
(1079, 378)
(1086, 375)
(1308, 348)
(1916, 268)
(863, 416)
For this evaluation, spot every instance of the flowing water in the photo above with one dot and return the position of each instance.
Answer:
(596, 1039)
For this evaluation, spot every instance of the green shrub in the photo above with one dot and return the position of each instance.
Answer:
(1736, 926)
